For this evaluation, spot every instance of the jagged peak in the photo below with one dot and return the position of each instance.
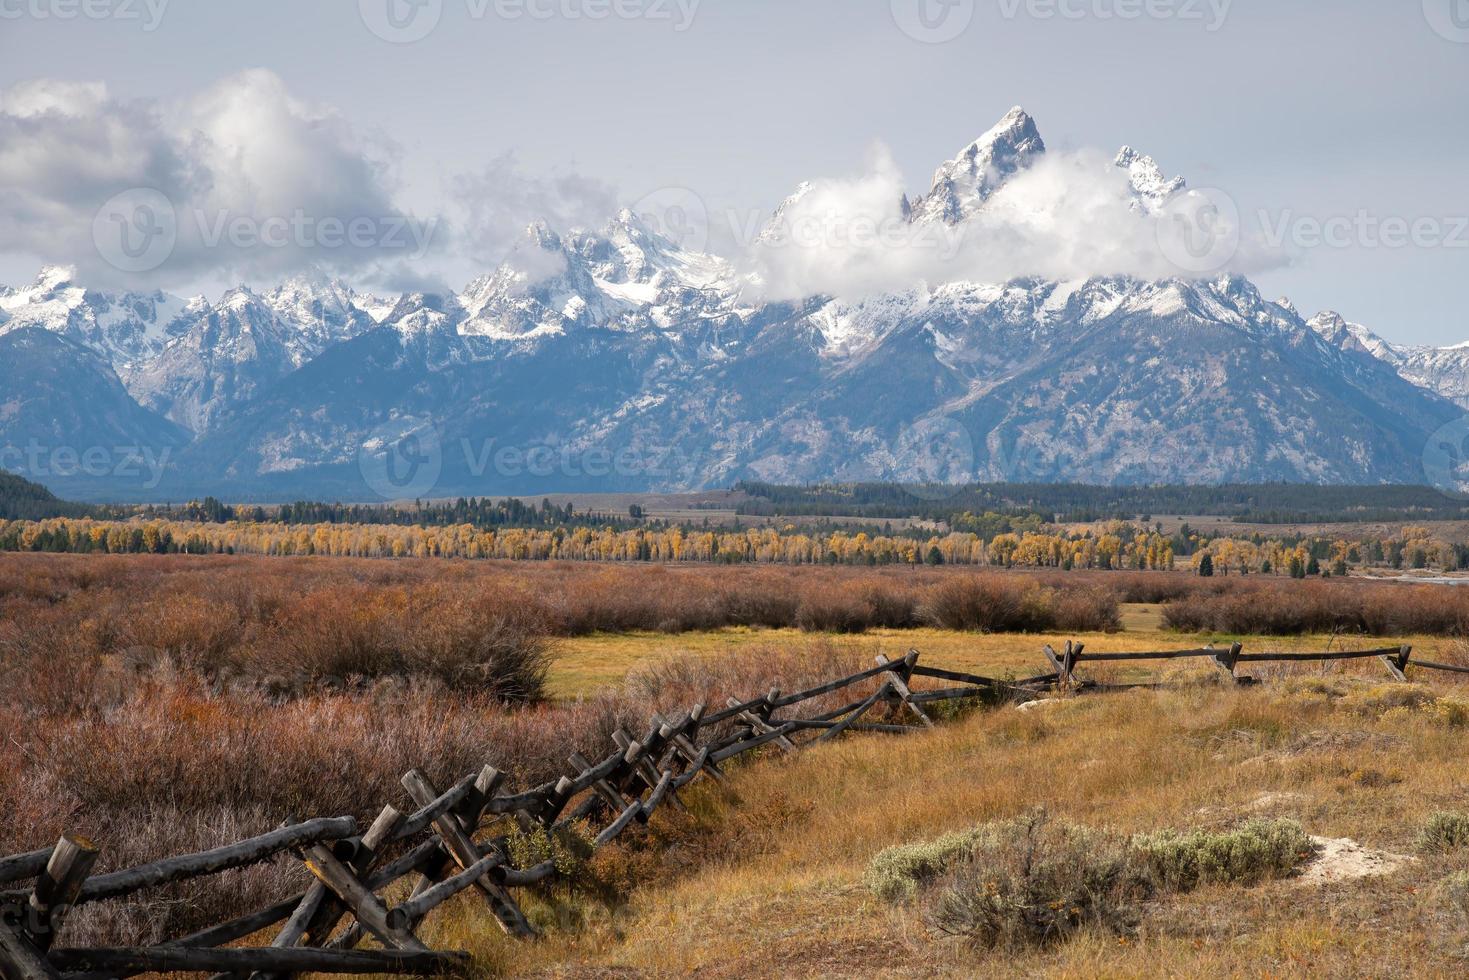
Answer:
(963, 184)
(1151, 189)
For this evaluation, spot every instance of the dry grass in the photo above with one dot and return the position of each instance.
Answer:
(784, 894)
(170, 704)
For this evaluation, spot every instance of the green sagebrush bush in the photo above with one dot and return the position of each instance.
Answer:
(1258, 851)
(1444, 832)
(1032, 880)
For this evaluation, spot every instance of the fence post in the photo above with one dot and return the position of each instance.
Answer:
(58, 886)
(1226, 660)
(900, 687)
(1061, 664)
(466, 855)
(1398, 665)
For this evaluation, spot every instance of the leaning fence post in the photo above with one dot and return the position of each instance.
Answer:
(1060, 664)
(57, 887)
(1226, 660)
(899, 687)
(1398, 665)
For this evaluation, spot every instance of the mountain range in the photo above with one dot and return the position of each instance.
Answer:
(618, 359)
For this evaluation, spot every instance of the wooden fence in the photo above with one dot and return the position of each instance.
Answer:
(458, 838)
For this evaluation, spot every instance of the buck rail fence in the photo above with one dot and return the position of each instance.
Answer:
(458, 838)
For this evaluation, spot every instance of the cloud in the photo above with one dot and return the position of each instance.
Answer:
(1068, 216)
(254, 182)
(499, 203)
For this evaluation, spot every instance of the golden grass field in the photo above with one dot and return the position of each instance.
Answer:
(787, 900)
(765, 878)
(583, 664)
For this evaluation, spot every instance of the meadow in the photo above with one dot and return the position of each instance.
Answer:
(169, 703)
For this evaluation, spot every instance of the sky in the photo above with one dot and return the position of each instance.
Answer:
(1331, 127)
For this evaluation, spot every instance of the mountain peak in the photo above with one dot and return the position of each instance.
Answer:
(54, 276)
(964, 183)
(1151, 190)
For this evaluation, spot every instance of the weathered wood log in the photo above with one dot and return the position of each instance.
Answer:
(745, 745)
(428, 854)
(899, 686)
(1060, 664)
(556, 800)
(408, 914)
(19, 867)
(829, 687)
(759, 726)
(246, 852)
(646, 767)
(858, 712)
(126, 962)
(870, 728)
(1224, 660)
(660, 791)
(19, 958)
(511, 877)
(942, 674)
(486, 784)
(584, 781)
(695, 757)
(1162, 655)
(239, 928)
(466, 855)
(318, 913)
(1260, 658)
(1397, 664)
(949, 694)
(701, 764)
(420, 820)
(615, 801)
(1432, 665)
(619, 825)
(57, 888)
(355, 895)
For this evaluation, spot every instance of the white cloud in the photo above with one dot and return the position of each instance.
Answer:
(500, 202)
(1070, 215)
(258, 181)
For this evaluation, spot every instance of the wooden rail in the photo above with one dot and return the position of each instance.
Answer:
(454, 841)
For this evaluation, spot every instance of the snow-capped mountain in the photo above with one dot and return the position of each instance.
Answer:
(191, 360)
(1443, 370)
(617, 359)
(963, 184)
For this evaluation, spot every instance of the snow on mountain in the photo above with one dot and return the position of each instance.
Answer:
(1443, 370)
(124, 328)
(626, 277)
(1151, 189)
(964, 183)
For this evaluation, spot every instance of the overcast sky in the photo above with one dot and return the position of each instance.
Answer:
(1300, 109)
